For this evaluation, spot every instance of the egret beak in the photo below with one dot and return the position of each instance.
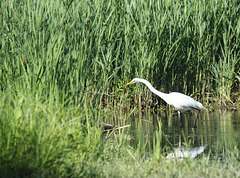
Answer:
(128, 83)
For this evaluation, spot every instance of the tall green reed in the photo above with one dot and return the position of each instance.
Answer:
(62, 61)
(96, 47)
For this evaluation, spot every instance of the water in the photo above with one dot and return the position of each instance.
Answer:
(216, 131)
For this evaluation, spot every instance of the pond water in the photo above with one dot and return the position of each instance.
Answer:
(217, 131)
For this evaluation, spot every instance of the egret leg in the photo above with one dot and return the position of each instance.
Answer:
(195, 123)
(180, 138)
(180, 120)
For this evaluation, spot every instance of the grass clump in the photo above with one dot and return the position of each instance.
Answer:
(37, 136)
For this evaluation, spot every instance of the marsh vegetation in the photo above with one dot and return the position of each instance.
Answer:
(63, 65)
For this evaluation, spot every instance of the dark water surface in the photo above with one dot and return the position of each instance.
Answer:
(216, 131)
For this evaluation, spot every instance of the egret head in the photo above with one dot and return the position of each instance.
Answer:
(135, 80)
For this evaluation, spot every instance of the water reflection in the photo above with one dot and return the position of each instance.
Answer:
(219, 130)
(183, 152)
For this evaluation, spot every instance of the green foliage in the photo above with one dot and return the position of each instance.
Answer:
(191, 47)
(63, 61)
(37, 136)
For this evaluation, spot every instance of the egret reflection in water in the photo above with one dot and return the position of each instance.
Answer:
(183, 152)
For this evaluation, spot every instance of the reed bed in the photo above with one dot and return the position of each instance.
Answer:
(63, 65)
(190, 47)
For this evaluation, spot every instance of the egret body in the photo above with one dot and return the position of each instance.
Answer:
(180, 101)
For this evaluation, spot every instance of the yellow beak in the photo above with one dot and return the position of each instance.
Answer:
(128, 83)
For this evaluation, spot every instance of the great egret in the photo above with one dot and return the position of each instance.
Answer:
(180, 101)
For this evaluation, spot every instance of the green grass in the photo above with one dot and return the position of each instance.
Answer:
(190, 47)
(40, 138)
(63, 65)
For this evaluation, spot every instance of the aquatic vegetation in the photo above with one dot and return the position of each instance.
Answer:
(62, 68)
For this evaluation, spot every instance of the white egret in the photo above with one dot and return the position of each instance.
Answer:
(180, 101)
